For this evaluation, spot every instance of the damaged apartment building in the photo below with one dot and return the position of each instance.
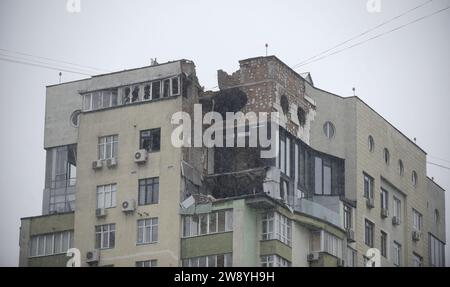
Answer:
(343, 179)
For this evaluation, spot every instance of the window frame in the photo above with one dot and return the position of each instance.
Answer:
(105, 230)
(102, 147)
(153, 194)
(113, 195)
(369, 229)
(151, 134)
(370, 193)
(149, 226)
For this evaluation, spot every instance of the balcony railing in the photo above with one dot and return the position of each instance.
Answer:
(316, 210)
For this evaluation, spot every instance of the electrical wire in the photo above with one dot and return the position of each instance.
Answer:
(43, 66)
(375, 37)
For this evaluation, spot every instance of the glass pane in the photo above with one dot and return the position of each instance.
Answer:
(48, 244)
(156, 90)
(166, 88)
(221, 219)
(318, 175)
(175, 86)
(203, 224)
(57, 244)
(213, 222)
(41, 245)
(65, 241)
(327, 180)
(229, 220)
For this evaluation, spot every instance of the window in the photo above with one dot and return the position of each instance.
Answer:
(207, 223)
(401, 168)
(301, 116)
(437, 255)
(386, 156)
(156, 90)
(384, 242)
(147, 263)
(50, 244)
(417, 220)
(106, 196)
(175, 86)
(166, 88)
(397, 248)
(126, 95)
(416, 260)
(147, 95)
(220, 260)
(384, 199)
(322, 176)
(368, 234)
(96, 100)
(397, 208)
(322, 241)
(351, 257)
(149, 191)
(414, 178)
(347, 217)
(328, 130)
(87, 104)
(147, 231)
(135, 94)
(436, 216)
(274, 261)
(75, 118)
(284, 103)
(371, 144)
(150, 140)
(368, 186)
(105, 236)
(107, 147)
(109, 98)
(276, 226)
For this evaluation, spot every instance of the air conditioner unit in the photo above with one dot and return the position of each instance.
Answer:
(140, 156)
(128, 205)
(92, 256)
(370, 203)
(111, 162)
(314, 256)
(340, 262)
(416, 235)
(97, 164)
(395, 220)
(384, 212)
(100, 212)
(350, 235)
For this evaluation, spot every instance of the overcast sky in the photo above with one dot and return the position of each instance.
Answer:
(403, 75)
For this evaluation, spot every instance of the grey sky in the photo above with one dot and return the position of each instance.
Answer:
(403, 75)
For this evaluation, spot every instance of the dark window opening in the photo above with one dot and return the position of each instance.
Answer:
(150, 140)
(135, 94)
(147, 92)
(156, 90)
(301, 114)
(175, 86)
(166, 88)
(284, 104)
(368, 235)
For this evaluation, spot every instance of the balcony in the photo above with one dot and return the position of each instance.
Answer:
(316, 210)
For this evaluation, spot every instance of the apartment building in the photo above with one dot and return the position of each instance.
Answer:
(118, 190)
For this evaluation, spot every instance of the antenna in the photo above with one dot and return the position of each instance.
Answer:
(267, 46)
(60, 74)
(354, 91)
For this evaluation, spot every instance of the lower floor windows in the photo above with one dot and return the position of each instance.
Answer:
(351, 257)
(50, 244)
(368, 233)
(274, 261)
(147, 231)
(416, 261)
(105, 236)
(277, 226)
(437, 255)
(322, 241)
(208, 223)
(397, 256)
(219, 260)
(147, 263)
(384, 241)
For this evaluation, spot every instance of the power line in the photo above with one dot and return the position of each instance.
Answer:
(438, 165)
(42, 66)
(364, 33)
(438, 158)
(46, 63)
(54, 60)
(376, 36)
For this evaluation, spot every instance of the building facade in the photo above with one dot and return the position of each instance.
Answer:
(342, 179)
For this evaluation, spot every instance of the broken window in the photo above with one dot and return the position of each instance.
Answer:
(301, 115)
(156, 90)
(126, 95)
(166, 88)
(135, 94)
(150, 140)
(175, 86)
(147, 95)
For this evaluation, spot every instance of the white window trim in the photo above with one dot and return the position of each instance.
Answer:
(102, 190)
(144, 227)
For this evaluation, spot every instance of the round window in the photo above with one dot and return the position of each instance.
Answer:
(328, 129)
(75, 118)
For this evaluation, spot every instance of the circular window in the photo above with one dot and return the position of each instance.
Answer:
(414, 178)
(284, 104)
(401, 168)
(386, 155)
(328, 129)
(301, 114)
(75, 118)
(371, 144)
